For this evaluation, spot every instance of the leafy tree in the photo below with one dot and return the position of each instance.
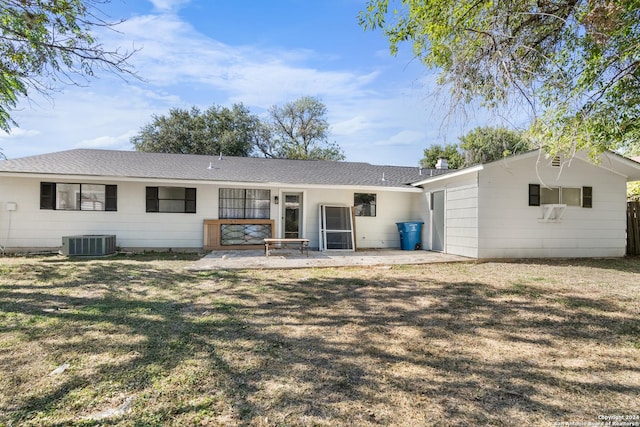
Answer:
(451, 152)
(486, 144)
(217, 130)
(633, 190)
(574, 63)
(299, 130)
(48, 42)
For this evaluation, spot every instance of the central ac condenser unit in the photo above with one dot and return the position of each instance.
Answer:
(88, 245)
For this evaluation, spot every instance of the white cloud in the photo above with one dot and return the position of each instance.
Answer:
(371, 115)
(19, 133)
(168, 5)
(173, 52)
(118, 142)
(403, 138)
(350, 126)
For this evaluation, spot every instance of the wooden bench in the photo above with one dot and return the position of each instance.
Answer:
(270, 243)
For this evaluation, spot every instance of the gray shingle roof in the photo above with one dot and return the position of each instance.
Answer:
(135, 164)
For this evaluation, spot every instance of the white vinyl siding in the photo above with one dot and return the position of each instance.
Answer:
(134, 228)
(461, 215)
(510, 228)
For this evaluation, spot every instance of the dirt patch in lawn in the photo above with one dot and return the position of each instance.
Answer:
(142, 341)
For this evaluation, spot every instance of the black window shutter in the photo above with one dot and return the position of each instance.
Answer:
(534, 194)
(190, 200)
(111, 198)
(47, 195)
(587, 197)
(152, 199)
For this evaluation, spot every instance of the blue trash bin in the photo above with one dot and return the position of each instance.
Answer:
(410, 235)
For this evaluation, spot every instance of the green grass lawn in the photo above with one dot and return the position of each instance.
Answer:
(146, 342)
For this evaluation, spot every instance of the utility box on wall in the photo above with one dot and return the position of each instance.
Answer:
(88, 245)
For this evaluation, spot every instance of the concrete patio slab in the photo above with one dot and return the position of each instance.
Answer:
(286, 258)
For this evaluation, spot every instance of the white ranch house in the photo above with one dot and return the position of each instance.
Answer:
(521, 206)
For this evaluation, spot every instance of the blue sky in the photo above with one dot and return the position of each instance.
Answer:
(259, 53)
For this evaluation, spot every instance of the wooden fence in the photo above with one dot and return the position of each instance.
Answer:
(633, 228)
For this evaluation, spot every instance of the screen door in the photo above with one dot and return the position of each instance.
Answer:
(336, 228)
(292, 215)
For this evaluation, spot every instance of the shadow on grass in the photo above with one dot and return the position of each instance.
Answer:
(628, 264)
(133, 257)
(349, 365)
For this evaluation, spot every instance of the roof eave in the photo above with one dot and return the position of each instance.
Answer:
(449, 175)
(115, 178)
(631, 168)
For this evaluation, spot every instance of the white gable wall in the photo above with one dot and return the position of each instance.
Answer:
(509, 228)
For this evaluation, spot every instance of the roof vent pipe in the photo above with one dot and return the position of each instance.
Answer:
(442, 163)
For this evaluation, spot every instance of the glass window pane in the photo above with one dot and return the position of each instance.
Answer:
(291, 199)
(338, 218)
(231, 193)
(176, 193)
(549, 196)
(68, 196)
(92, 197)
(244, 234)
(365, 204)
(258, 194)
(231, 203)
(239, 203)
(258, 209)
(232, 213)
(232, 234)
(571, 196)
(256, 233)
(258, 204)
(338, 240)
(171, 205)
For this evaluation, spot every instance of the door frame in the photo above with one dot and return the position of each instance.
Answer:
(282, 212)
(434, 226)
